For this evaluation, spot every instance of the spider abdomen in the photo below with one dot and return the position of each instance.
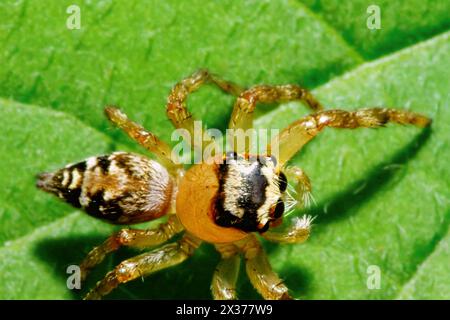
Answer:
(121, 188)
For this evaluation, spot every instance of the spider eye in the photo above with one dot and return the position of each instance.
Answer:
(279, 209)
(265, 228)
(282, 182)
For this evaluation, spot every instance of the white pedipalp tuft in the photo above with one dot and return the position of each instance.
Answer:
(304, 222)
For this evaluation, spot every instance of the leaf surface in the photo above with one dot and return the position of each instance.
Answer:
(382, 196)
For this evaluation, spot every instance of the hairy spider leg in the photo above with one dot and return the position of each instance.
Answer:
(292, 138)
(145, 264)
(223, 285)
(242, 117)
(260, 273)
(134, 238)
(145, 138)
(176, 108)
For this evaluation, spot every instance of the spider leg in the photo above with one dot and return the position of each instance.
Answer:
(135, 238)
(260, 273)
(242, 116)
(223, 286)
(302, 185)
(145, 264)
(298, 232)
(291, 139)
(145, 138)
(176, 108)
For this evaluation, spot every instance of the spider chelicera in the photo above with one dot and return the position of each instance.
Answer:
(227, 202)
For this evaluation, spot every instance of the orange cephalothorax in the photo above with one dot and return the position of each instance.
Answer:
(220, 202)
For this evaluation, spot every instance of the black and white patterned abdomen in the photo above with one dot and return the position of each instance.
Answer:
(121, 188)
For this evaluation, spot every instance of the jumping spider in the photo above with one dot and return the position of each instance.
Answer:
(220, 203)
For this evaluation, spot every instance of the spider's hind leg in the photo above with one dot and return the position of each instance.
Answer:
(145, 264)
(145, 138)
(134, 238)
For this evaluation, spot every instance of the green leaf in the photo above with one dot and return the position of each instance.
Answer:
(382, 195)
(134, 62)
(421, 285)
(402, 23)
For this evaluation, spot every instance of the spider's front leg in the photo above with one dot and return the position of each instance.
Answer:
(260, 273)
(242, 116)
(145, 264)
(296, 135)
(134, 238)
(223, 286)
